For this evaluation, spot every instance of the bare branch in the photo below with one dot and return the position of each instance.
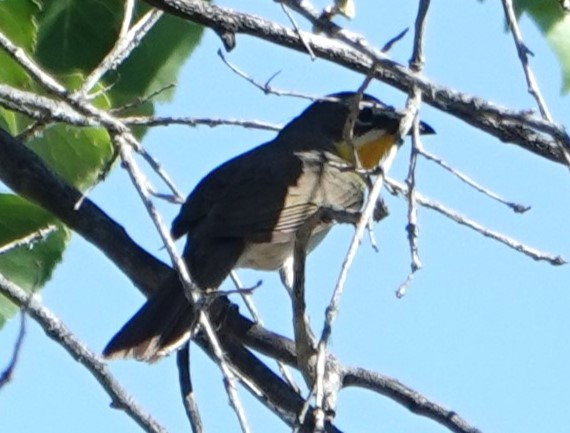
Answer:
(412, 109)
(8, 373)
(523, 52)
(388, 45)
(195, 121)
(296, 27)
(463, 220)
(192, 292)
(40, 185)
(126, 42)
(29, 240)
(57, 331)
(248, 300)
(407, 397)
(519, 127)
(412, 226)
(185, 380)
(532, 84)
(142, 99)
(516, 207)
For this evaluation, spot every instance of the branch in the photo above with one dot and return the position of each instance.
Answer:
(195, 121)
(42, 108)
(519, 127)
(29, 240)
(7, 374)
(26, 173)
(533, 253)
(57, 331)
(516, 207)
(23, 171)
(185, 380)
(407, 397)
(523, 52)
(412, 113)
(193, 294)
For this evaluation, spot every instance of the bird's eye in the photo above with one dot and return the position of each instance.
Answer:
(366, 115)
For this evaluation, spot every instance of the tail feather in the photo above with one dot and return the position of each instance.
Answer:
(161, 326)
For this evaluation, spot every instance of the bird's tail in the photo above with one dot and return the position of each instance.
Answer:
(162, 325)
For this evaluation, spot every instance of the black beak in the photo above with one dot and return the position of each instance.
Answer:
(425, 129)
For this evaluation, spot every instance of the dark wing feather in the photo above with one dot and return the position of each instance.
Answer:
(272, 200)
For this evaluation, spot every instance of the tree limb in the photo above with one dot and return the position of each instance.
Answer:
(23, 171)
(518, 127)
(56, 330)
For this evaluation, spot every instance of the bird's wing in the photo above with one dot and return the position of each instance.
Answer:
(270, 201)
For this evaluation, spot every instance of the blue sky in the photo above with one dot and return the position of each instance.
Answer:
(482, 330)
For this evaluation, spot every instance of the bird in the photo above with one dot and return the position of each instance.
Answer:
(246, 212)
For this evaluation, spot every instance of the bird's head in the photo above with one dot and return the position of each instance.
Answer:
(374, 132)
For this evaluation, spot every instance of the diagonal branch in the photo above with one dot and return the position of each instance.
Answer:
(519, 127)
(24, 172)
(523, 52)
(56, 330)
(186, 389)
(407, 397)
(8, 372)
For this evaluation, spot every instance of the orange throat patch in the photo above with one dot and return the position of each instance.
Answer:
(373, 152)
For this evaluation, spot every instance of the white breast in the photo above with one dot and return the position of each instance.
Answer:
(271, 256)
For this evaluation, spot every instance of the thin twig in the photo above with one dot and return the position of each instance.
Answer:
(354, 109)
(321, 377)
(29, 240)
(195, 121)
(412, 109)
(412, 226)
(332, 308)
(248, 300)
(391, 42)
(303, 412)
(463, 220)
(523, 52)
(127, 18)
(418, 59)
(516, 207)
(120, 51)
(186, 390)
(57, 331)
(519, 127)
(321, 394)
(142, 99)
(298, 31)
(265, 88)
(407, 397)
(532, 84)
(82, 106)
(192, 292)
(8, 373)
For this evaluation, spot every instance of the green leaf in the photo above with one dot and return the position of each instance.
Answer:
(76, 154)
(18, 23)
(8, 121)
(554, 23)
(74, 35)
(69, 38)
(160, 55)
(29, 267)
